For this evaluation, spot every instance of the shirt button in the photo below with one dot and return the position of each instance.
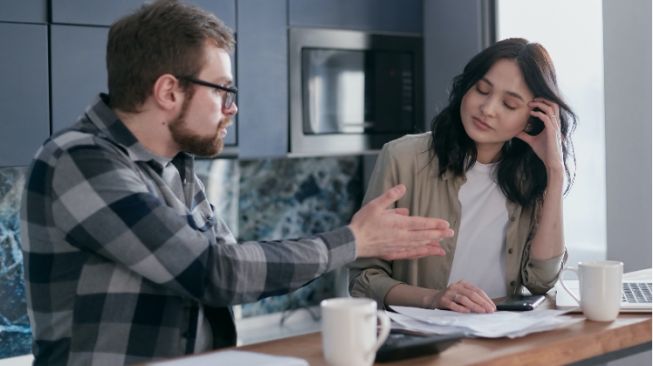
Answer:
(513, 283)
(509, 250)
(512, 218)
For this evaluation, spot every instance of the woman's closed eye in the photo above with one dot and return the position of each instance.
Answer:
(482, 89)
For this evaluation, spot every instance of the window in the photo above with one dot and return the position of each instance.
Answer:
(572, 32)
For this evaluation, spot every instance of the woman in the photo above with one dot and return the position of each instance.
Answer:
(500, 188)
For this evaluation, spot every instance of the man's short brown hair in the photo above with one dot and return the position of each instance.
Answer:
(166, 36)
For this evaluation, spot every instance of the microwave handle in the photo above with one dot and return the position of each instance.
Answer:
(357, 124)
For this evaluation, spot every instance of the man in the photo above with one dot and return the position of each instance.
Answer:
(125, 260)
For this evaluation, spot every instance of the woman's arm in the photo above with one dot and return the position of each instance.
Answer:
(548, 241)
(461, 296)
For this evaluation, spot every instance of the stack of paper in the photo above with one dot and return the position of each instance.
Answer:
(233, 358)
(492, 325)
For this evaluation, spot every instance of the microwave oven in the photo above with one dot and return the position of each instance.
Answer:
(352, 91)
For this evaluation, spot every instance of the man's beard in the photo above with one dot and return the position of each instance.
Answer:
(205, 146)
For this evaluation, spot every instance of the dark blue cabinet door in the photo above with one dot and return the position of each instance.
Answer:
(78, 70)
(453, 34)
(105, 12)
(370, 15)
(223, 9)
(26, 11)
(262, 54)
(24, 105)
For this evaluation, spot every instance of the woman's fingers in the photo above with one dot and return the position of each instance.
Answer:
(550, 111)
(465, 297)
(480, 297)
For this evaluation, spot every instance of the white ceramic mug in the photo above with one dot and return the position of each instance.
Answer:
(349, 331)
(600, 289)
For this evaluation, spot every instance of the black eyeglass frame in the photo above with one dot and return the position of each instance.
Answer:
(230, 97)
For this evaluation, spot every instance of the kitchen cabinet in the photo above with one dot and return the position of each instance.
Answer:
(368, 15)
(102, 12)
(454, 31)
(262, 55)
(24, 101)
(91, 12)
(78, 70)
(25, 11)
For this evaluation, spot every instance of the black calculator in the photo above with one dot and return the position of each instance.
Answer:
(402, 344)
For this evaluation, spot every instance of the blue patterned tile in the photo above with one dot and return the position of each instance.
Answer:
(220, 178)
(15, 334)
(288, 198)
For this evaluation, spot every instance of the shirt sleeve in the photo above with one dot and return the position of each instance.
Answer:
(102, 205)
(540, 275)
(372, 277)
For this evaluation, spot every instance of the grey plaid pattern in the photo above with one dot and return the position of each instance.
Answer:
(117, 266)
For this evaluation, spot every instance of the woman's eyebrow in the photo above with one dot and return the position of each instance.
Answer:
(514, 94)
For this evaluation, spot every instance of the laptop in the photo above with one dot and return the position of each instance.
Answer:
(635, 297)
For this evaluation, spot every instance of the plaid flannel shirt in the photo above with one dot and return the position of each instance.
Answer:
(116, 267)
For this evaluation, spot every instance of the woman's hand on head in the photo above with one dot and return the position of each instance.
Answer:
(464, 297)
(547, 145)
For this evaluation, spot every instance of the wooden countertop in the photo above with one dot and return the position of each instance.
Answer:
(580, 341)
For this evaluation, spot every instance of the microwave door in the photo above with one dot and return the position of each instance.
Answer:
(333, 91)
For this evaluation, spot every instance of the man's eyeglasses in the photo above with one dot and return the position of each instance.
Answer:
(230, 95)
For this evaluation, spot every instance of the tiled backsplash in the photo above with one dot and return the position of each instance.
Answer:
(288, 198)
(259, 199)
(15, 335)
(285, 198)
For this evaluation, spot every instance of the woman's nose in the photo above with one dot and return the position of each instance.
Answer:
(488, 107)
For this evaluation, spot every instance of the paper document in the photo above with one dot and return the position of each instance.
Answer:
(233, 358)
(493, 325)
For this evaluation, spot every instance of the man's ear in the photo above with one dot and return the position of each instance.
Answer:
(166, 92)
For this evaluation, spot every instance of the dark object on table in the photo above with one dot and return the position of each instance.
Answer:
(520, 303)
(402, 344)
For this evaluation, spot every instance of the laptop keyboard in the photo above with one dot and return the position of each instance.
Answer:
(636, 292)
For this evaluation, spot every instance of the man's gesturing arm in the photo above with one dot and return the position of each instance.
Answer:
(392, 234)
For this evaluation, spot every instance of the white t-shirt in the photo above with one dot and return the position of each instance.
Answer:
(479, 257)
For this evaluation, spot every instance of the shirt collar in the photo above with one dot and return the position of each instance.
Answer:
(113, 129)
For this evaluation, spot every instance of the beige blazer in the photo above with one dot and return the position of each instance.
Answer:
(409, 160)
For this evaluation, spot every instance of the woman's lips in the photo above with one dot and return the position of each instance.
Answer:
(480, 124)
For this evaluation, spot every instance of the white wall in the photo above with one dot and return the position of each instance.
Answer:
(577, 53)
(627, 78)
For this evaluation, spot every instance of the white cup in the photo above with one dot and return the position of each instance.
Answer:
(349, 331)
(600, 289)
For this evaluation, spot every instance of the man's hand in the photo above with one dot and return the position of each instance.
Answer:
(392, 234)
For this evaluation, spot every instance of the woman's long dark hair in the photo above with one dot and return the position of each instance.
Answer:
(520, 173)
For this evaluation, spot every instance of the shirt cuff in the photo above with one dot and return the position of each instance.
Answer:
(341, 245)
(375, 284)
(543, 273)
(551, 265)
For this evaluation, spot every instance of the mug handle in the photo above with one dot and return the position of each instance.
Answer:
(383, 332)
(562, 283)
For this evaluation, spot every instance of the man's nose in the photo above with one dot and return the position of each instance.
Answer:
(232, 110)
